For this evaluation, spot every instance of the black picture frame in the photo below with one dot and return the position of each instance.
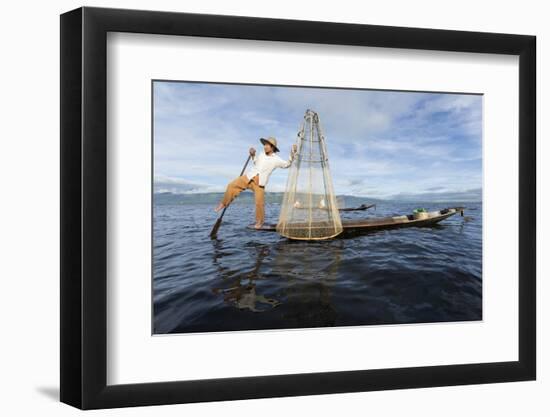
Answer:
(83, 231)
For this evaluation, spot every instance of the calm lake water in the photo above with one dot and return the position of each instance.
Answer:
(248, 280)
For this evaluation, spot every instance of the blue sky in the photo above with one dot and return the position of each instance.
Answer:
(381, 144)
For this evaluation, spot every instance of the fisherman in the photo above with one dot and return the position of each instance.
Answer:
(256, 178)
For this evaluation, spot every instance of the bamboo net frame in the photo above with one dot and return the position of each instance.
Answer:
(309, 210)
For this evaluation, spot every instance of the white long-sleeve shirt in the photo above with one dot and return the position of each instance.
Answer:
(265, 164)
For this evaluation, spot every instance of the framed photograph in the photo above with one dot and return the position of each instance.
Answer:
(257, 207)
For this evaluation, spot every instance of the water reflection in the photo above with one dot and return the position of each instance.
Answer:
(310, 270)
(298, 275)
(249, 280)
(239, 289)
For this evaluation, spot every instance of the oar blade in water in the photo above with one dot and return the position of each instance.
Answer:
(214, 232)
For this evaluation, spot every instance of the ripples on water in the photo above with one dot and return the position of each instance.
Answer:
(248, 280)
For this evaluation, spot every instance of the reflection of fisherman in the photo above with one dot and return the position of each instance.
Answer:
(245, 295)
(256, 179)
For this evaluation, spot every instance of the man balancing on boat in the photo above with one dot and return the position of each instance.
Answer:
(257, 177)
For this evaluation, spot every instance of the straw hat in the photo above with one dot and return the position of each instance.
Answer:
(272, 141)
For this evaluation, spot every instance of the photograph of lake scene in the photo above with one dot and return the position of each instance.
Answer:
(281, 207)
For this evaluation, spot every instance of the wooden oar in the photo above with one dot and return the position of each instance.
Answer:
(214, 231)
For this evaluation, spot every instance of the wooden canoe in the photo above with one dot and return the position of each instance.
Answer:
(384, 223)
(361, 207)
(358, 208)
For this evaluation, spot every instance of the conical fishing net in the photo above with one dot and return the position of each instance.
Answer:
(309, 209)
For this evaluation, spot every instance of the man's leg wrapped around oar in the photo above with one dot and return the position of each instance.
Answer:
(234, 188)
(238, 185)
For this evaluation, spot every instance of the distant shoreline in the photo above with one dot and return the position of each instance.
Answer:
(276, 197)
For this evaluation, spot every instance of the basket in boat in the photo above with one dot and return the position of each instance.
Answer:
(420, 214)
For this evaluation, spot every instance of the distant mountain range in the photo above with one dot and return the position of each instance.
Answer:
(247, 197)
(473, 195)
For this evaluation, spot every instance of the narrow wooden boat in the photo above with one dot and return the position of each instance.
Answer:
(383, 223)
(361, 207)
(358, 208)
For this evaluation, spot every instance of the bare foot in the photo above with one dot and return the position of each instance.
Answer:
(258, 225)
(220, 206)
